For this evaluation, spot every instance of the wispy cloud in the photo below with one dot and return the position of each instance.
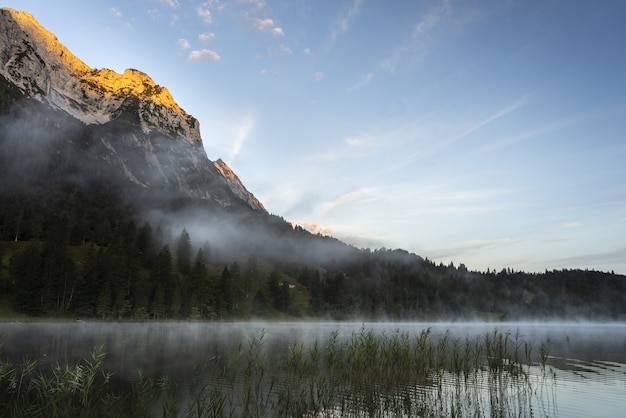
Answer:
(466, 247)
(551, 127)
(352, 148)
(170, 3)
(318, 76)
(365, 81)
(342, 25)
(613, 256)
(421, 38)
(242, 132)
(523, 101)
(360, 196)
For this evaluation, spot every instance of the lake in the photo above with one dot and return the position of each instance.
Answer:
(584, 373)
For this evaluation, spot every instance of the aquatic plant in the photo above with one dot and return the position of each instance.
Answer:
(362, 375)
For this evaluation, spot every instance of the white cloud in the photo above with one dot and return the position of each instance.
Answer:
(278, 31)
(262, 24)
(171, 3)
(269, 73)
(279, 51)
(204, 13)
(306, 51)
(206, 37)
(203, 54)
(318, 76)
(117, 13)
(183, 43)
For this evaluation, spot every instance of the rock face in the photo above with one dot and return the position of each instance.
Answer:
(134, 125)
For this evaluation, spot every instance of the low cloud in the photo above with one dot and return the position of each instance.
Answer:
(314, 227)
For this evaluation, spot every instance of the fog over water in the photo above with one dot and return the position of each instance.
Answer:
(588, 359)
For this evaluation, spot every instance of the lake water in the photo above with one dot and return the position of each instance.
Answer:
(586, 363)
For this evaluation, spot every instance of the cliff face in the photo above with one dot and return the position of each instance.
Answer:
(133, 125)
(41, 66)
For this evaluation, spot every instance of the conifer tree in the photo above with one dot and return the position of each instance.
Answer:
(183, 253)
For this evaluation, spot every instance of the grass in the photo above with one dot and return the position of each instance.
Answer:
(361, 375)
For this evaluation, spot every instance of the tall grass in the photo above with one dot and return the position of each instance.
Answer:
(361, 375)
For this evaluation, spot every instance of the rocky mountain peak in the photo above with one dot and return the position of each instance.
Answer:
(41, 66)
(125, 128)
(236, 185)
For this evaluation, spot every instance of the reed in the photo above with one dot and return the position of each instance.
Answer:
(362, 375)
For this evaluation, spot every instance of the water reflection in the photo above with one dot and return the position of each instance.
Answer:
(587, 361)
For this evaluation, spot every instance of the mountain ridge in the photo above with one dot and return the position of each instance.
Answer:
(47, 70)
(134, 126)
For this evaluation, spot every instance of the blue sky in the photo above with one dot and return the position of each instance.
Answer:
(489, 133)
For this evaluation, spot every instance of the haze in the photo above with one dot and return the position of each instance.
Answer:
(484, 132)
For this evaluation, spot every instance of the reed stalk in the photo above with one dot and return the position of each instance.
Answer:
(362, 375)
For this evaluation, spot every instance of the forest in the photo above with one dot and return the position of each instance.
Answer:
(84, 255)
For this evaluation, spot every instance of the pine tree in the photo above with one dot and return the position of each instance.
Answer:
(183, 253)
(25, 270)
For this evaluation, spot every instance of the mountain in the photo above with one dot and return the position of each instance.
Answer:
(96, 124)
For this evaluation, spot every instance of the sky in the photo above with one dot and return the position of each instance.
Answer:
(488, 133)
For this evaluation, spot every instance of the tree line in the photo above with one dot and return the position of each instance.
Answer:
(88, 257)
